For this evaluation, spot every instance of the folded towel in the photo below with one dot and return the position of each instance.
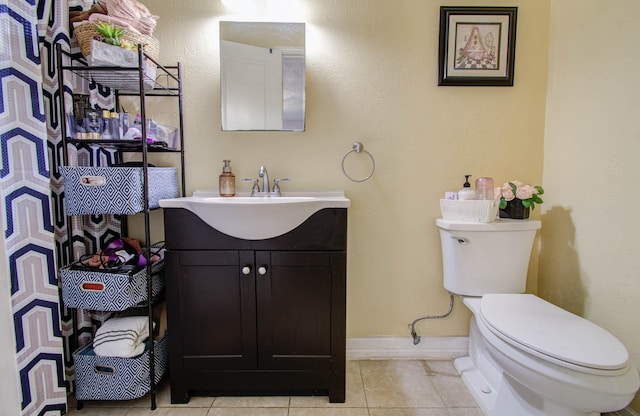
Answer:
(122, 337)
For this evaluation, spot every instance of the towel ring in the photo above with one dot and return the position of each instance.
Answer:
(359, 148)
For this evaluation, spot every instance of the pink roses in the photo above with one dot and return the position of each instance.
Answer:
(529, 195)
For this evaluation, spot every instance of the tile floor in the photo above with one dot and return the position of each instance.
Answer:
(374, 388)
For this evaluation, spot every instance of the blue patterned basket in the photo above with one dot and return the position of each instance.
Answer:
(108, 291)
(115, 190)
(116, 378)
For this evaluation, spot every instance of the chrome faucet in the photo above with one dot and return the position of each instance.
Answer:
(262, 173)
(266, 189)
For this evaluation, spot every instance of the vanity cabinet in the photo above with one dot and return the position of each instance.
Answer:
(256, 316)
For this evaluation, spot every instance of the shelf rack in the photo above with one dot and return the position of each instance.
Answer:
(167, 83)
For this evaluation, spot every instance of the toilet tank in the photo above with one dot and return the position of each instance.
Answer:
(479, 258)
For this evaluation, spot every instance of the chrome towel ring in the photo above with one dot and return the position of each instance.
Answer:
(359, 148)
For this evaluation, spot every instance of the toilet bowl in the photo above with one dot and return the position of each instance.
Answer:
(527, 357)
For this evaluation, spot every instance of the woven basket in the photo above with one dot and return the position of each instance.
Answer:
(85, 32)
(469, 210)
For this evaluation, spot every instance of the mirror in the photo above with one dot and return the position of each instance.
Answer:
(262, 76)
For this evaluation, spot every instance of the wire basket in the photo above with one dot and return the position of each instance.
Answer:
(469, 210)
(85, 33)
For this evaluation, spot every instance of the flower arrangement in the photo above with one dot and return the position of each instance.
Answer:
(529, 195)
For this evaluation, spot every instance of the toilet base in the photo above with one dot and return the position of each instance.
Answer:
(487, 397)
(496, 393)
(477, 385)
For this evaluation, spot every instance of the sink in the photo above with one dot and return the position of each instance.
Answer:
(257, 218)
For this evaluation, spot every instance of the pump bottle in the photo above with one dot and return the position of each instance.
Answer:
(466, 192)
(227, 180)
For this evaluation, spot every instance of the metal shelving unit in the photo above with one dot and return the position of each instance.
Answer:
(126, 81)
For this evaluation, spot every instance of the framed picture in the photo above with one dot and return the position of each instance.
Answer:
(477, 46)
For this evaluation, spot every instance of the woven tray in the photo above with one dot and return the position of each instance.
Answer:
(85, 32)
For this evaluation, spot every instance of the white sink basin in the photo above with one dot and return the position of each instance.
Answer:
(261, 200)
(257, 218)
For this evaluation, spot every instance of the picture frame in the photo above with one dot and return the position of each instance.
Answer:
(477, 46)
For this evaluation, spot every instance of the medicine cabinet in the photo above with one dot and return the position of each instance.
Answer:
(262, 76)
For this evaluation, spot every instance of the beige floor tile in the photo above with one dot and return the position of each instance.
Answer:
(354, 392)
(163, 398)
(329, 412)
(145, 401)
(449, 385)
(398, 384)
(167, 411)
(374, 388)
(475, 411)
(408, 412)
(257, 401)
(98, 411)
(442, 367)
(247, 411)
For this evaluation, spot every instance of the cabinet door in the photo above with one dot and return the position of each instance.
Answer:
(215, 311)
(297, 298)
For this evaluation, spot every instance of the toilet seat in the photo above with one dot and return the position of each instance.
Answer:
(530, 323)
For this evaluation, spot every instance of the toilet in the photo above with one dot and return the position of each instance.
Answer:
(527, 357)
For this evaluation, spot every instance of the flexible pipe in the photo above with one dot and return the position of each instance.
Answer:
(412, 326)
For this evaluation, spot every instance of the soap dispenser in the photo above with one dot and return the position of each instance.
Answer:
(227, 180)
(466, 192)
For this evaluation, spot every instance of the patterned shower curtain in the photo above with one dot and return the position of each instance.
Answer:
(26, 208)
(31, 199)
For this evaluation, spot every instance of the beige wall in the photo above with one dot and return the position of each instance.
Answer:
(589, 256)
(371, 76)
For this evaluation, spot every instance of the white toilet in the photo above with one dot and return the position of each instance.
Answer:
(527, 356)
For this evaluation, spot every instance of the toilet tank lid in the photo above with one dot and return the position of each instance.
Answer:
(535, 323)
(497, 225)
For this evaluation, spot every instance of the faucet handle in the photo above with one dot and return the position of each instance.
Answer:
(255, 187)
(276, 183)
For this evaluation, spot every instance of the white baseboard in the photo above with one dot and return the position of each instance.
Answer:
(398, 348)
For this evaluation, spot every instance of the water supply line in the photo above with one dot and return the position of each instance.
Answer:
(412, 326)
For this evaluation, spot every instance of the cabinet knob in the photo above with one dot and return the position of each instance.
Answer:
(262, 270)
(246, 270)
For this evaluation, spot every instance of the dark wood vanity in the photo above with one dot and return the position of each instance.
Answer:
(256, 317)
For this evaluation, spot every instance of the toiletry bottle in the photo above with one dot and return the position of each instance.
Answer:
(106, 125)
(137, 123)
(115, 125)
(484, 188)
(227, 180)
(466, 192)
(124, 124)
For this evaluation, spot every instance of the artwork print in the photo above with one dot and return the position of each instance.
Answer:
(477, 46)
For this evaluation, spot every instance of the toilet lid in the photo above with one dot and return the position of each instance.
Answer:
(552, 331)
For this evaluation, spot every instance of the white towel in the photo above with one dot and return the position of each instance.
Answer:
(122, 337)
